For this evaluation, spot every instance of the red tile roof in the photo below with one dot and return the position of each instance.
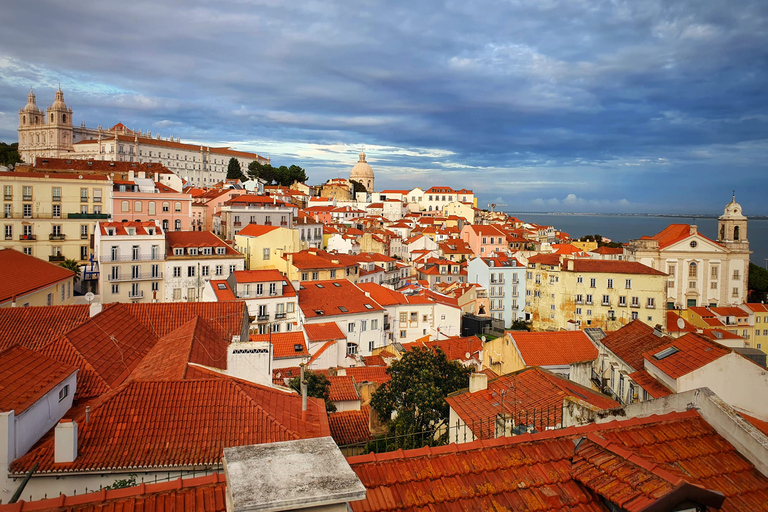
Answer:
(757, 307)
(342, 388)
(121, 228)
(608, 250)
(222, 290)
(455, 348)
(646, 381)
(103, 166)
(730, 311)
(256, 230)
(539, 471)
(326, 298)
(258, 276)
(629, 342)
(377, 374)
(16, 324)
(201, 494)
(672, 326)
(162, 318)
(672, 234)
(553, 348)
(532, 396)
(388, 297)
(545, 259)
(21, 275)
(26, 377)
(193, 239)
(613, 267)
(349, 427)
(284, 343)
(694, 352)
(323, 331)
(180, 423)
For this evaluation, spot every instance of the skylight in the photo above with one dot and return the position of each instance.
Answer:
(337, 285)
(320, 286)
(222, 286)
(666, 352)
(343, 309)
(368, 306)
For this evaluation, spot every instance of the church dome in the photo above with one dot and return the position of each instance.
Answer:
(362, 173)
(58, 103)
(31, 105)
(733, 210)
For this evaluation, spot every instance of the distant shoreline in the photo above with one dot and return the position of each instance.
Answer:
(671, 215)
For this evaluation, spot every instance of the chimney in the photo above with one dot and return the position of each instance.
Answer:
(570, 264)
(87, 414)
(694, 229)
(95, 308)
(478, 382)
(130, 175)
(303, 391)
(65, 442)
(341, 372)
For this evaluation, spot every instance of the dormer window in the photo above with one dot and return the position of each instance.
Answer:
(193, 251)
(207, 251)
(178, 251)
(220, 250)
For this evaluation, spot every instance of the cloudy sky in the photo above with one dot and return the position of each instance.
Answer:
(542, 105)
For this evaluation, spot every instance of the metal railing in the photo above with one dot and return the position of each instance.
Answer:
(108, 258)
(28, 238)
(139, 295)
(58, 236)
(141, 276)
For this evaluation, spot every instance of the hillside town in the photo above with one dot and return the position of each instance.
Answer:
(181, 330)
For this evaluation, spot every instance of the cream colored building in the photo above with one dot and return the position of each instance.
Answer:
(593, 293)
(264, 246)
(31, 282)
(50, 133)
(701, 271)
(131, 260)
(52, 216)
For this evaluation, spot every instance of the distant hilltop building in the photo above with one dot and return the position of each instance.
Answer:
(362, 173)
(701, 272)
(49, 133)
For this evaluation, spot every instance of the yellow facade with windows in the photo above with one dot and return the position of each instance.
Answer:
(267, 250)
(52, 216)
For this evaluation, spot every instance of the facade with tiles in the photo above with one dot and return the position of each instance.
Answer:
(50, 133)
(52, 216)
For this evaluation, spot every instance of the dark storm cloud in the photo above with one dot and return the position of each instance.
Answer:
(545, 104)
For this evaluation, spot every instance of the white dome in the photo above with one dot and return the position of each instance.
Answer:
(361, 171)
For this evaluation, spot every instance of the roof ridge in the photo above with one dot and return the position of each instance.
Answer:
(279, 424)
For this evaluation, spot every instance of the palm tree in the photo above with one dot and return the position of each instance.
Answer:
(72, 265)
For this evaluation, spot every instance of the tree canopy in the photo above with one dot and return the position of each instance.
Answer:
(234, 172)
(72, 265)
(9, 154)
(419, 383)
(758, 283)
(279, 175)
(318, 386)
(599, 240)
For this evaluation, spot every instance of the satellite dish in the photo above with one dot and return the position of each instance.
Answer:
(89, 296)
(467, 355)
(483, 339)
(680, 323)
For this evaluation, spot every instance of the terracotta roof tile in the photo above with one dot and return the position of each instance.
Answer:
(180, 423)
(48, 321)
(646, 381)
(284, 344)
(349, 427)
(545, 259)
(539, 471)
(455, 348)
(613, 267)
(532, 396)
(323, 331)
(629, 342)
(26, 376)
(343, 388)
(327, 298)
(256, 230)
(553, 348)
(201, 494)
(693, 352)
(21, 274)
(174, 239)
(162, 318)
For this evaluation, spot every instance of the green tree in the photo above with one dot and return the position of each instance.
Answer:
(280, 175)
(520, 325)
(9, 154)
(419, 383)
(72, 265)
(318, 386)
(757, 283)
(234, 172)
(599, 240)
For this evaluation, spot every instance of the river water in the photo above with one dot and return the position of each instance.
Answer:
(623, 228)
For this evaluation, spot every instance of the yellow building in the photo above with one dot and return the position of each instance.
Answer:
(760, 312)
(52, 216)
(29, 281)
(576, 293)
(584, 246)
(313, 265)
(264, 246)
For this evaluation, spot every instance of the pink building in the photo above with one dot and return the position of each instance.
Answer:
(145, 200)
(484, 239)
(206, 203)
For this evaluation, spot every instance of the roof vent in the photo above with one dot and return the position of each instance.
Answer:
(298, 347)
(657, 332)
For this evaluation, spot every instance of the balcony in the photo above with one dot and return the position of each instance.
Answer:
(26, 197)
(285, 223)
(8, 197)
(87, 215)
(141, 276)
(56, 199)
(634, 305)
(237, 224)
(56, 258)
(262, 318)
(279, 316)
(27, 238)
(108, 258)
(57, 236)
(136, 295)
(83, 236)
(387, 326)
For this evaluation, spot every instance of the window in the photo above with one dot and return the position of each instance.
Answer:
(651, 303)
(176, 271)
(177, 206)
(272, 288)
(333, 274)
(622, 301)
(736, 275)
(610, 283)
(606, 300)
(97, 195)
(578, 311)
(83, 194)
(49, 300)
(628, 284)
(579, 298)
(735, 292)
(190, 271)
(351, 327)
(374, 324)
(166, 206)
(403, 317)
(635, 302)
(593, 283)
(363, 325)
(304, 276)
(8, 191)
(137, 206)
(351, 349)
(204, 271)
(177, 294)
(265, 254)
(56, 193)
(97, 209)
(315, 276)
(8, 231)
(579, 280)
(220, 250)
(232, 268)
(63, 392)
(713, 285)
(402, 334)
(671, 270)
(27, 193)
(135, 273)
(589, 299)
(27, 211)
(177, 225)
(692, 269)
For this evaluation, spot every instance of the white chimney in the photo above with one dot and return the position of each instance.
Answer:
(478, 382)
(130, 175)
(341, 372)
(95, 308)
(65, 442)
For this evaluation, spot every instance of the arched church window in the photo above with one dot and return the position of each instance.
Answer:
(23, 119)
(736, 233)
(692, 269)
(722, 232)
(51, 117)
(64, 118)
